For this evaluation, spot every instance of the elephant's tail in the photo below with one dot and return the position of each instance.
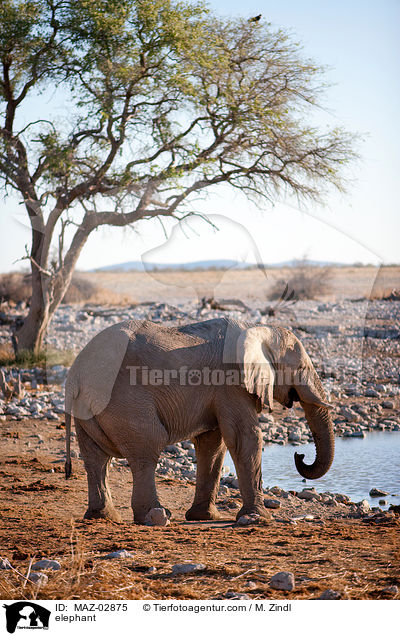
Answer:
(68, 463)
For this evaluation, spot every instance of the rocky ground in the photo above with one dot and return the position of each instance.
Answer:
(326, 546)
(326, 541)
(354, 347)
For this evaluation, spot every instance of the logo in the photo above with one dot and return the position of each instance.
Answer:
(26, 615)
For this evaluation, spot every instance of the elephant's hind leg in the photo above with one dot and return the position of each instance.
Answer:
(100, 505)
(142, 447)
(210, 453)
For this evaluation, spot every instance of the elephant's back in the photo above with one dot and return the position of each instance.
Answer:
(204, 341)
(213, 330)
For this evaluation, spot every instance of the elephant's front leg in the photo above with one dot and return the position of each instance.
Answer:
(244, 441)
(210, 453)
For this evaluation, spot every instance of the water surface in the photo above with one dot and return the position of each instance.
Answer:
(359, 465)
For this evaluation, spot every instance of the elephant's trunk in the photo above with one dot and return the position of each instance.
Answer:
(320, 422)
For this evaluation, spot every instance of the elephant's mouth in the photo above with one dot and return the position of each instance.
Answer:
(292, 397)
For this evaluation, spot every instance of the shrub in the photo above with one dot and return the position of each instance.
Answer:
(83, 290)
(80, 290)
(15, 287)
(307, 282)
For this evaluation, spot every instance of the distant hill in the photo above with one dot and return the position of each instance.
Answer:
(139, 266)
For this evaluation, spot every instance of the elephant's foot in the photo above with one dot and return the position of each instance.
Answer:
(103, 513)
(201, 512)
(255, 509)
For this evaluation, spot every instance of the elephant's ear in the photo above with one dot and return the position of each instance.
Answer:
(258, 372)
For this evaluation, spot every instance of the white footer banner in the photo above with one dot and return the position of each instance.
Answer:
(92, 617)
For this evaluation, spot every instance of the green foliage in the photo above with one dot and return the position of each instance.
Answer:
(25, 359)
(164, 99)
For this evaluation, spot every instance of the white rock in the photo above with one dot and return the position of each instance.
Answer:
(247, 520)
(156, 517)
(282, 581)
(118, 554)
(364, 506)
(46, 564)
(187, 568)
(303, 518)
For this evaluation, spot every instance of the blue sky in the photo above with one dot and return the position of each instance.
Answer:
(359, 41)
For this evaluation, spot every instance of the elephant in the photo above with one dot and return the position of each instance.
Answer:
(139, 386)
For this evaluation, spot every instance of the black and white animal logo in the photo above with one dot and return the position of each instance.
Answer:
(26, 615)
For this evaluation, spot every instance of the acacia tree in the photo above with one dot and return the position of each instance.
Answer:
(164, 100)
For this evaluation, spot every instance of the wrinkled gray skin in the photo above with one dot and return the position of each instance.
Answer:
(115, 417)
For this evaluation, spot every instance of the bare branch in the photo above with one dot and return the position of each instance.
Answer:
(40, 269)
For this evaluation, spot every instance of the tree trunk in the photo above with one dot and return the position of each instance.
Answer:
(31, 334)
(47, 294)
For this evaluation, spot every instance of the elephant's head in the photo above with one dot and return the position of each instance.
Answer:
(276, 366)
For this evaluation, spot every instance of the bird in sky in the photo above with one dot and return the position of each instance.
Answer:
(256, 18)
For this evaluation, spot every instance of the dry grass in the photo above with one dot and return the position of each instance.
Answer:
(6, 354)
(335, 557)
(247, 285)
